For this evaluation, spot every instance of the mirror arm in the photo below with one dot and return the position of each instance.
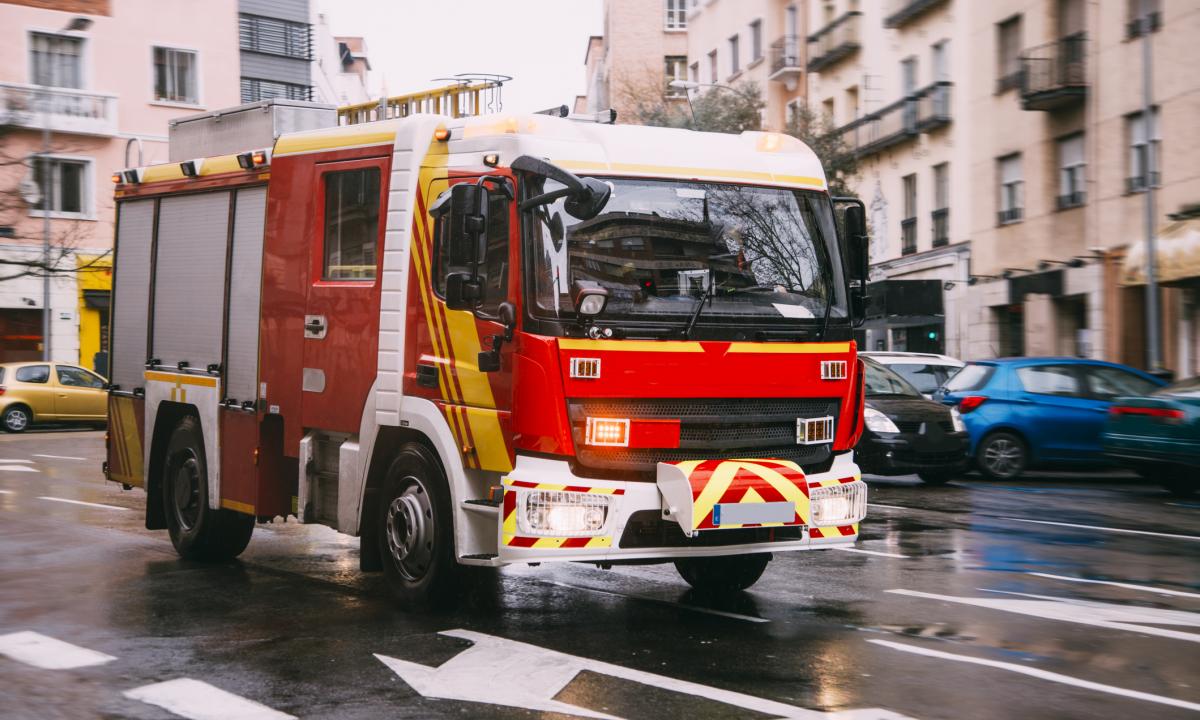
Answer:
(500, 181)
(545, 198)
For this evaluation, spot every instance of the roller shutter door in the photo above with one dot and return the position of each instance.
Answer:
(131, 293)
(245, 284)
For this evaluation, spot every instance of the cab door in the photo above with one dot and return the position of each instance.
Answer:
(341, 309)
(79, 395)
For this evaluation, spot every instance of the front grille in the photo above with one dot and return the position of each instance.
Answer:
(914, 426)
(647, 529)
(710, 429)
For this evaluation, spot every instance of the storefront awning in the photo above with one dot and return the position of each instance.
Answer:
(1177, 255)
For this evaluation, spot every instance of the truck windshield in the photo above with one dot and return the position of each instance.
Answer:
(765, 256)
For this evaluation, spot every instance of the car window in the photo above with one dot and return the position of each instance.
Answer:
(882, 381)
(1, 375)
(77, 377)
(33, 374)
(970, 377)
(1108, 382)
(1051, 380)
(1189, 388)
(925, 378)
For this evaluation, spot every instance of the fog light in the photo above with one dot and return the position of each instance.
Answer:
(562, 514)
(843, 504)
(607, 432)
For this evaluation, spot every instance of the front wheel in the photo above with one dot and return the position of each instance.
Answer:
(16, 419)
(1002, 456)
(726, 573)
(198, 532)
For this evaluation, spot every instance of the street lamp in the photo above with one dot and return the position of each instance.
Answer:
(77, 24)
(688, 86)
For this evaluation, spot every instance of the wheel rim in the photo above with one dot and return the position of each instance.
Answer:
(16, 420)
(1002, 457)
(185, 493)
(410, 530)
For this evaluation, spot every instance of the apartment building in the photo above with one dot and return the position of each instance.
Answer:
(87, 87)
(340, 66)
(275, 40)
(1059, 179)
(644, 46)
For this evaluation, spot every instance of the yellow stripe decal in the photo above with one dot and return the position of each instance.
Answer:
(630, 345)
(199, 380)
(790, 348)
(238, 506)
(490, 449)
(332, 139)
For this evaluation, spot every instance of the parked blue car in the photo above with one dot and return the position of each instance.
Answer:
(1036, 412)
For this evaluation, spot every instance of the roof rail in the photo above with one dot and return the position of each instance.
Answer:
(467, 96)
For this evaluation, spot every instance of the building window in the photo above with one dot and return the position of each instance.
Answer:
(694, 72)
(56, 60)
(254, 89)
(712, 67)
(175, 76)
(908, 75)
(756, 46)
(676, 15)
(275, 36)
(69, 190)
(674, 68)
(1071, 176)
(1008, 54)
(941, 205)
(1145, 151)
(351, 224)
(908, 226)
(735, 55)
(1012, 199)
(1141, 15)
(940, 52)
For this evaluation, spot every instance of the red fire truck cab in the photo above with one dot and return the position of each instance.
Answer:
(489, 340)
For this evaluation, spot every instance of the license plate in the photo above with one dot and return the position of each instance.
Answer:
(753, 513)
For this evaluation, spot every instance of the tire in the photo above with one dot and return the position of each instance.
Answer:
(723, 574)
(198, 532)
(415, 532)
(16, 419)
(936, 477)
(1002, 456)
(1180, 481)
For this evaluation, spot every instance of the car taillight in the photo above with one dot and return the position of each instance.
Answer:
(1164, 414)
(970, 402)
(2, 389)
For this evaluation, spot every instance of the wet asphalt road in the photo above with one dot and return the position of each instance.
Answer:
(962, 601)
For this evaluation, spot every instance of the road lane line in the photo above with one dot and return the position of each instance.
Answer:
(1105, 529)
(871, 552)
(81, 502)
(6, 492)
(891, 507)
(1041, 674)
(48, 653)
(659, 601)
(19, 468)
(1131, 586)
(59, 457)
(198, 700)
(6, 461)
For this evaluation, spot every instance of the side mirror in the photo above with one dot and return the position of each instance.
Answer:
(856, 252)
(586, 197)
(464, 234)
(464, 291)
(489, 360)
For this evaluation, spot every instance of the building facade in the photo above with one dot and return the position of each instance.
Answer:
(340, 66)
(643, 48)
(275, 41)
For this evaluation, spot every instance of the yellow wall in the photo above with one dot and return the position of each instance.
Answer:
(95, 273)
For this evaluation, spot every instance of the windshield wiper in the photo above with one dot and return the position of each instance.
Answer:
(707, 295)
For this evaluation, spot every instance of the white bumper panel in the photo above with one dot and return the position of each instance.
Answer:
(518, 544)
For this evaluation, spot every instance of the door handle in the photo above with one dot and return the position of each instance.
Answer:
(314, 326)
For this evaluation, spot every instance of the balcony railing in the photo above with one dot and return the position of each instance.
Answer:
(908, 236)
(62, 109)
(785, 58)
(1054, 75)
(902, 12)
(835, 42)
(941, 227)
(1009, 216)
(924, 110)
(1072, 200)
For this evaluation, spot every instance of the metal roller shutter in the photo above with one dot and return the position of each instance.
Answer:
(245, 283)
(189, 281)
(131, 291)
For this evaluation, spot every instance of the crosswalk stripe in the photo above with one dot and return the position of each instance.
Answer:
(47, 653)
(19, 468)
(198, 700)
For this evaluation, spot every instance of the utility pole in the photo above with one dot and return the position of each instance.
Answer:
(44, 162)
(1153, 343)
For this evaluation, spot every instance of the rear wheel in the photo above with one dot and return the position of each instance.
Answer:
(1002, 456)
(198, 532)
(1180, 480)
(932, 477)
(415, 531)
(726, 573)
(17, 418)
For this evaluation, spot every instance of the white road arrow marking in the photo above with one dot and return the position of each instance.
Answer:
(1043, 674)
(1085, 612)
(48, 653)
(504, 672)
(197, 700)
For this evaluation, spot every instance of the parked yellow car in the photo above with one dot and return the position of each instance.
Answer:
(50, 392)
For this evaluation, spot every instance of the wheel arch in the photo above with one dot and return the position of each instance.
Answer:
(169, 415)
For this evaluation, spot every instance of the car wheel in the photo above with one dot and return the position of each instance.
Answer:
(1002, 456)
(936, 477)
(726, 573)
(17, 419)
(198, 532)
(1180, 481)
(415, 531)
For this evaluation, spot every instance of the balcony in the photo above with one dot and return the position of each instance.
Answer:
(835, 42)
(902, 12)
(786, 65)
(941, 227)
(1054, 76)
(933, 106)
(923, 111)
(62, 109)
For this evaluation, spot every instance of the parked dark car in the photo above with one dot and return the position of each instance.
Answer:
(1039, 412)
(907, 433)
(1158, 435)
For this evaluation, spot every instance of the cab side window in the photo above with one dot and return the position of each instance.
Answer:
(33, 374)
(493, 272)
(351, 224)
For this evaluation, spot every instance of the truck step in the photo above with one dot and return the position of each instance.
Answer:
(481, 560)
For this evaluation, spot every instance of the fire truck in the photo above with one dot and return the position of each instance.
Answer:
(481, 339)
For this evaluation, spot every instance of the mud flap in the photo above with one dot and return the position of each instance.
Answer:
(705, 495)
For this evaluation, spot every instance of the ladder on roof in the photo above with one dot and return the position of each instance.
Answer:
(467, 96)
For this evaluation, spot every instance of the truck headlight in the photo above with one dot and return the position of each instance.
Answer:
(956, 418)
(843, 504)
(555, 513)
(878, 422)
